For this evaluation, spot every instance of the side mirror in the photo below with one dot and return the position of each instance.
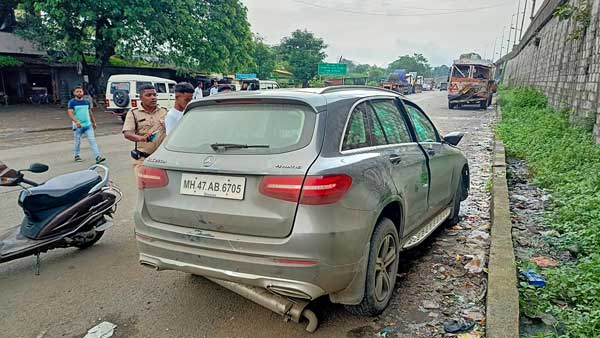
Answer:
(38, 168)
(454, 138)
(8, 177)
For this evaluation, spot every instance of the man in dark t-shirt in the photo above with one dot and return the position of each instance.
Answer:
(83, 124)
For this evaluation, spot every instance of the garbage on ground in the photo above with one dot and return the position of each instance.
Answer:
(476, 264)
(102, 330)
(430, 305)
(458, 326)
(544, 262)
(383, 333)
(478, 234)
(472, 334)
(533, 278)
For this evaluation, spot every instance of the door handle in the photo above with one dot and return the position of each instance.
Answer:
(430, 151)
(394, 158)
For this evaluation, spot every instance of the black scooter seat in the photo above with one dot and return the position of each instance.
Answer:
(61, 186)
(58, 191)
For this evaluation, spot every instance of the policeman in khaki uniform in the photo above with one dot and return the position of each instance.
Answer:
(145, 125)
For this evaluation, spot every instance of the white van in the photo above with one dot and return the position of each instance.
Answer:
(122, 92)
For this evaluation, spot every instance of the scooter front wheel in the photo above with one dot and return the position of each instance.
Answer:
(89, 242)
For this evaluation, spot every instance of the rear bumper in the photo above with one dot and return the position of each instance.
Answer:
(303, 265)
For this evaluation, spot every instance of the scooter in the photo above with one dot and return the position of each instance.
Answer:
(70, 210)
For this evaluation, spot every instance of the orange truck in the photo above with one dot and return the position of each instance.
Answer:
(471, 81)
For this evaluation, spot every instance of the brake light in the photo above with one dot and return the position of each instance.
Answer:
(106, 103)
(151, 178)
(314, 190)
(134, 103)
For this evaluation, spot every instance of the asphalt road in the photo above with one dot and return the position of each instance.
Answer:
(78, 289)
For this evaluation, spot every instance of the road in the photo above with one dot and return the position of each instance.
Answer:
(78, 289)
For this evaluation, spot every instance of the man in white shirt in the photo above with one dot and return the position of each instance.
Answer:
(183, 95)
(215, 88)
(198, 94)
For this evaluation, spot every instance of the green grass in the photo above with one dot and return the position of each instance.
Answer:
(565, 161)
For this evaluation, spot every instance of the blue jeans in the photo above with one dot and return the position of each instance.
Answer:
(89, 133)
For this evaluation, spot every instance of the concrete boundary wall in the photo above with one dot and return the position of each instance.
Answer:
(566, 71)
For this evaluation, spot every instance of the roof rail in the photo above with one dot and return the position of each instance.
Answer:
(332, 89)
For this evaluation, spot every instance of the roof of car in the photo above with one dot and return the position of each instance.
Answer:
(136, 77)
(315, 97)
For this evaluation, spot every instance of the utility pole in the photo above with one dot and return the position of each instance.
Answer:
(517, 22)
(532, 10)
(522, 21)
(510, 32)
(494, 50)
(502, 41)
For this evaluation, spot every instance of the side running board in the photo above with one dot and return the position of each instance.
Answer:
(425, 231)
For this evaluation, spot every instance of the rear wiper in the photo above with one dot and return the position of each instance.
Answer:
(225, 146)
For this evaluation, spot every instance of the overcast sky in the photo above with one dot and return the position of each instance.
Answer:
(378, 31)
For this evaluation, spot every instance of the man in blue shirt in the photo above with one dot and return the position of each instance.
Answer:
(83, 124)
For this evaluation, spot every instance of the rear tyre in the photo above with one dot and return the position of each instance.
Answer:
(483, 105)
(90, 242)
(454, 218)
(382, 269)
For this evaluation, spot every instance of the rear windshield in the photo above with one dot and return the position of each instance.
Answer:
(283, 127)
(119, 86)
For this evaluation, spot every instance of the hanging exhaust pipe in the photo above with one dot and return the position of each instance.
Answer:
(290, 309)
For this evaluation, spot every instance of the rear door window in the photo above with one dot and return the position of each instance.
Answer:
(389, 118)
(140, 84)
(160, 87)
(283, 127)
(171, 88)
(356, 129)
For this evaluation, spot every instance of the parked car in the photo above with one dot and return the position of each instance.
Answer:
(256, 84)
(122, 92)
(304, 192)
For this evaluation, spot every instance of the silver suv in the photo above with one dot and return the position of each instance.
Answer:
(304, 192)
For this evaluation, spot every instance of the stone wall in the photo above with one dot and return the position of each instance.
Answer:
(567, 71)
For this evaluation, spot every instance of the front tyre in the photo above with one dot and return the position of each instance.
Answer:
(89, 241)
(382, 269)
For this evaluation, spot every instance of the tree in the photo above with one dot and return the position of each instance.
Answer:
(303, 51)
(441, 71)
(198, 35)
(416, 63)
(264, 58)
(351, 66)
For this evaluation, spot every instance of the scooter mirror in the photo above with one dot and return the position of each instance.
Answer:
(38, 168)
(8, 177)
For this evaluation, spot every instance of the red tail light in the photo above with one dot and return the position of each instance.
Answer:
(134, 103)
(106, 103)
(314, 190)
(151, 178)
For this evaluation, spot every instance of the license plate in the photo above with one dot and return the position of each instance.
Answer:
(228, 187)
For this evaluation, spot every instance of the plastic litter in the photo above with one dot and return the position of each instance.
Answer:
(544, 262)
(102, 330)
(472, 334)
(458, 326)
(475, 265)
(533, 278)
(383, 333)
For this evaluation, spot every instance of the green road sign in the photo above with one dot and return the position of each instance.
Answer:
(333, 68)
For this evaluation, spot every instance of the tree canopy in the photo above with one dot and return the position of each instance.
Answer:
(264, 58)
(303, 52)
(210, 35)
(415, 63)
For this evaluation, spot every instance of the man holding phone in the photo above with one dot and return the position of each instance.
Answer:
(145, 125)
